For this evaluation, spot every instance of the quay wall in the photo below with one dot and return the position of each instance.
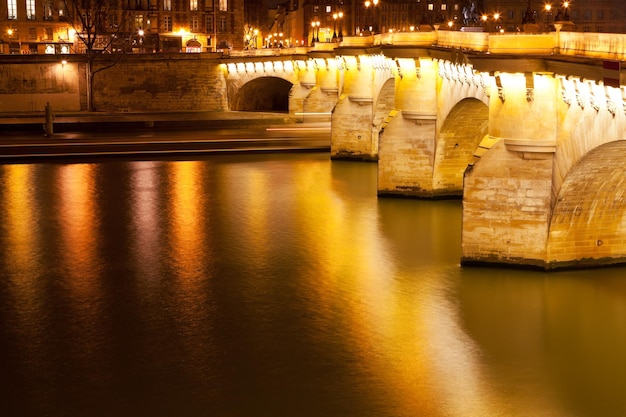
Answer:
(155, 82)
(161, 82)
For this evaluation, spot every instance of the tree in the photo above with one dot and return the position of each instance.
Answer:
(98, 24)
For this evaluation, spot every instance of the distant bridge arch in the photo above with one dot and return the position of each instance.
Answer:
(254, 85)
(262, 94)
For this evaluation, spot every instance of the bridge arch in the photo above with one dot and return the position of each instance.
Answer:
(588, 223)
(262, 94)
(460, 136)
(384, 105)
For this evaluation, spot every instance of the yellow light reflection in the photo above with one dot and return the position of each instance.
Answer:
(79, 228)
(187, 219)
(408, 340)
(190, 259)
(79, 223)
(22, 225)
(22, 270)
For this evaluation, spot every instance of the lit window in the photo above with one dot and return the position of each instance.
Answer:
(193, 5)
(329, 9)
(30, 9)
(47, 10)
(167, 5)
(193, 23)
(444, 7)
(12, 9)
(223, 5)
(139, 21)
(431, 7)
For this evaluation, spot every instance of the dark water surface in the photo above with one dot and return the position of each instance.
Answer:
(280, 285)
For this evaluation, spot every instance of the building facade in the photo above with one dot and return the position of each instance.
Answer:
(44, 27)
(317, 22)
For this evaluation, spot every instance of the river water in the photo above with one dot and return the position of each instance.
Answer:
(280, 285)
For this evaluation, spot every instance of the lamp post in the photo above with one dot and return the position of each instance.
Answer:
(367, 11)
(340, 14)
(375, 16)
(315, 27)
(566, 7)
(335, 16)
(548, 15)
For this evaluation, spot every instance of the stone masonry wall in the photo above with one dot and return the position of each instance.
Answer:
(163, 82)
(27, 84)
(506, 209)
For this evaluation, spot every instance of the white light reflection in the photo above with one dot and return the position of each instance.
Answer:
(145, 210)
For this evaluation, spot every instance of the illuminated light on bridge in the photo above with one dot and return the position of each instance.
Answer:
(320, 63)
(300, 64)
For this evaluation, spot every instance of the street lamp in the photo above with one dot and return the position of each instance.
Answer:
(566, 7)
(315, 26)
(375, 15)
(548, 15)
(340, 26)
(335, 16)
(367, 11)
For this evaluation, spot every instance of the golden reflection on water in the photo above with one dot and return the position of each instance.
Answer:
(285, 280)
(21, 221)
(79, 235)
(187, 220)
(188, 232)
(407, 346)
(79, 224)
(27, 320)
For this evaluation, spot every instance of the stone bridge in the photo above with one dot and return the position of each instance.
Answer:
(529, 129)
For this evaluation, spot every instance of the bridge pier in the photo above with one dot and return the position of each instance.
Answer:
(352, 127)
(352, 134)
(508, 193)
(409, 141)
